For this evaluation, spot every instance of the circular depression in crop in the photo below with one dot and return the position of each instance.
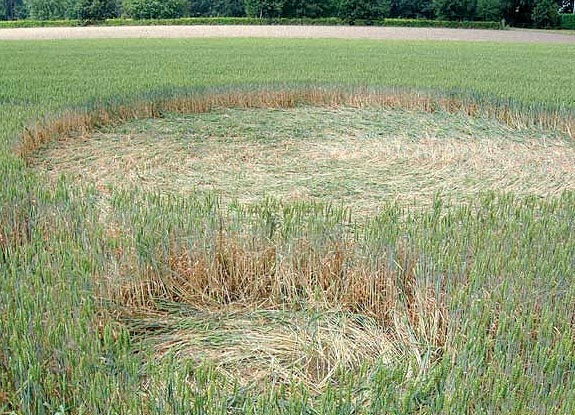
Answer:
(361, 158)
(311, 306)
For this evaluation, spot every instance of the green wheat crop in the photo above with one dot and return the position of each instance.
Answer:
(130, 299)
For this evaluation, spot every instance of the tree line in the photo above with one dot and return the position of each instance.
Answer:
(540, 13)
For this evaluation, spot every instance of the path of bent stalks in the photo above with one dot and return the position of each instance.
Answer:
(341, 32)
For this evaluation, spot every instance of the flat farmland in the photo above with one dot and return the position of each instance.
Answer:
(260, 225)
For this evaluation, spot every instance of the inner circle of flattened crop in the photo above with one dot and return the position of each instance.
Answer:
(359, 157)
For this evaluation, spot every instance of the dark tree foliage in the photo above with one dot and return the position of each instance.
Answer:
(412, 9)
(489, 10)
(264, 8)
(217, 8)
(94, 10)
(12, 10)
(309, 8)
(231, 8)
(545, 14)
(517, 12)
(200, 8)
(539, 13)
(155, 9)
(365, 10)
(17, 10)
(455, 9)
(47, 9)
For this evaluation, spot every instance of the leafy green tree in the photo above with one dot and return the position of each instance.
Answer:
(200, 7)
(92, 10)
(412, 9)
(98, 9)
(231, 8)
(155, 9)
(518, 12)
(489, 10)
(228, 8)
(15, 9)
(455, 9)
(309, 8)
(264, 8)
(46, 9)
(545, 13)
(367, 10)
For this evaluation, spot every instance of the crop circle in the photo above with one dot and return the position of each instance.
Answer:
(261, 298)
(360, 158)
